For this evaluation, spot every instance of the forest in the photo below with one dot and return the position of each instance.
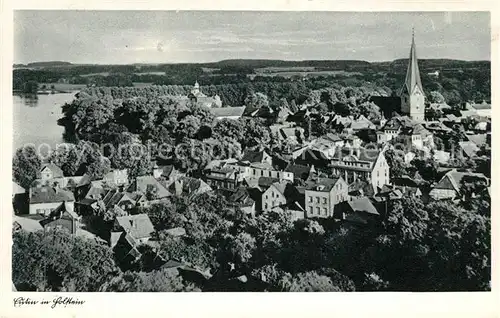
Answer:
(457, 81)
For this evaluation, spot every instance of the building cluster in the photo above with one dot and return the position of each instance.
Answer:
(339, 175)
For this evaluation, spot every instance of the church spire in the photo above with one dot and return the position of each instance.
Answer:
(413, 74)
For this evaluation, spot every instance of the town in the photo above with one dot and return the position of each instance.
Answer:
(338, 193)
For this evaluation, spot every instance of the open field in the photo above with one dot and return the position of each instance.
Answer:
(61, 87)
(289, 74)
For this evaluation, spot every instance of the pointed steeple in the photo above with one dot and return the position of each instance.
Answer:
(413, 74)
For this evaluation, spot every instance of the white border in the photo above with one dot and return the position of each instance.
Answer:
(241, 304)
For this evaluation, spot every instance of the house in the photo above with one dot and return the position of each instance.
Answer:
(19, 199)
(292, 134)
(166, 174)
(450, 184)
(219, 175)
(441, 157)
(150, 187)
(27, 224)
(313, 157)
(175, 232)
(360, 123)
(17, 189)
(416, 136)
(361, 163)
(327, 144)
(50, 171)
(322, 194)
(242, 199)
(358, 210)
(43, 200)
(63, 217)
(189, 186)
(478, 139)
(256, 156)
(138, 227)
(300, 171)
(468, 149)
(482, 109)
(392, 128)
(228, 112)
(274, 196)
(52, 175)
(123, 200)
(361, 188)
(116, 178)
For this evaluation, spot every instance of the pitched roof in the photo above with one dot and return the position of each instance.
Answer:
(266, 181)
(242, 197)
(452, 179)
(483, 105)
(412, 80)
(469, 148)
(280, 186)
(321, 184)
(478, 139)
(254, 156)
(138, 226)
(176, 231)
(16, 188)
(358, 154)
(362, 204)
(47, 194)
(56, 171)
(144, 183)
(228, 111)
(299, 171)
(27, 224)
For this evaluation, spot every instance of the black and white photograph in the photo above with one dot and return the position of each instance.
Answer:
(251, 151)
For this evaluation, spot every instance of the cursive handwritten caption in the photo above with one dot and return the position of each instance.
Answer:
(57, 302)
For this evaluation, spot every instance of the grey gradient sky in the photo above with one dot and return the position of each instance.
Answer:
(120, 37)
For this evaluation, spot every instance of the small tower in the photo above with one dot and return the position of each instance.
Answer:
(412, 93)
(196, 89)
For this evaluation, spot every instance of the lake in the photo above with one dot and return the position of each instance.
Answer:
(35, 119)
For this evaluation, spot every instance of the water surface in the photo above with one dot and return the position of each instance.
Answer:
(35, 119)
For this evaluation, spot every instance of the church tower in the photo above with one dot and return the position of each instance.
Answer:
(412, 93)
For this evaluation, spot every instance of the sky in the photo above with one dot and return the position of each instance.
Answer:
(122, 37)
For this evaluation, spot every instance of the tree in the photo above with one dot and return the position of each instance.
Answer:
(229, 128)
(436, 97)
(30, 87)
(188, 127)
(256, 100)
(59, 261)
(255, 133)
(407, 220)
(309, 282)
(25, 166)
(163, 280)
(237, 249)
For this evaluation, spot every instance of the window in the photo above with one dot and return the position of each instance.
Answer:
(267, 197)
(317, 210)
(254, 171)
(317, 200)
(262, 172)
(378, 173)
(324, 211)
(265, 206)
(324, 200)
(311, 209)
